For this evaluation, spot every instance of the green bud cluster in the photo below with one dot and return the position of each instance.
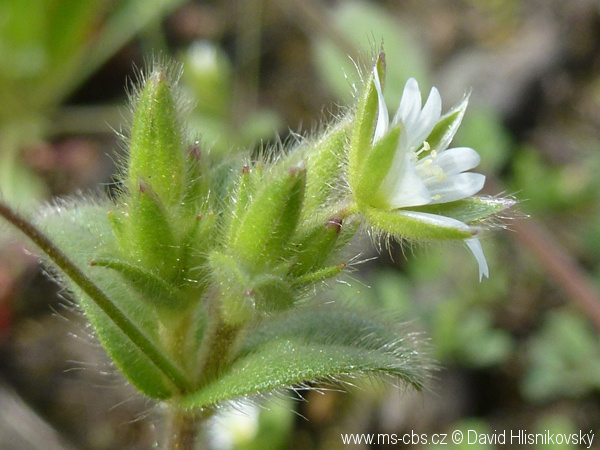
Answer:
(182, 243)
(161, 223)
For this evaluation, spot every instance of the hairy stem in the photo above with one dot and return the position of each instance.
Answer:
(217, 347)
(143, 342)
(183, 430)
(218, 343)
(176, 338)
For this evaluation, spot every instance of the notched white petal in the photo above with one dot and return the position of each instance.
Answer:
(429, 117)
(436, 220)
(410, 105)
(475, 247)
(456, 187)
(456, 160)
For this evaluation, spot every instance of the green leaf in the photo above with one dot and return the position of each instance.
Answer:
(563, 358)
(317, 344)
(234, 286)
(154, 290)
(83, 231)
(317, 276)
(470, 210)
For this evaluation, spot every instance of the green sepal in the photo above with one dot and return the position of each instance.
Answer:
(470, 210)
(316, 247)
(83, 231)
(270, 220)
(197, 184)
(155, 144)
(193, 251)
(152, 238)
(153, 289)
(400, 225)
(233, 286)
(374, 170)
(223, 178)
(272, 292)
(245, 189)
(444, 131)
(117, 222)
(244, 293)
(364, 122)
(325, 164)
(318, 276)
(304, 346)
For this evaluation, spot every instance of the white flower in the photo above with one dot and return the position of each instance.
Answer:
(421, 175)
(234, 428)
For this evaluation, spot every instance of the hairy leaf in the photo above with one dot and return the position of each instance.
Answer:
(320, 344)
(83, 232)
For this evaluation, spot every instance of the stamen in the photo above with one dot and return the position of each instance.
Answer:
(425, 148)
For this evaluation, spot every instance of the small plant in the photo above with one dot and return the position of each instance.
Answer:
(199, 276)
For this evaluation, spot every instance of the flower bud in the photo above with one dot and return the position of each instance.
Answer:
(260, 234)
(151, 234)
(155, 146)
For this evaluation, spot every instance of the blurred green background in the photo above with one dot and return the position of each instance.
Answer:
(517, 351)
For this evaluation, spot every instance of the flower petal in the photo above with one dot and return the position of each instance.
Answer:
(429, 117)
(456, 160)
(475, 247)
(437, 220)
(456, 187)
(383, 118)
(410, 105)
(403, 186)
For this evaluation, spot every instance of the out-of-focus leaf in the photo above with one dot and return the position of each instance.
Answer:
(468, 335)
(551, 188)
(367, 26)
(564, 359)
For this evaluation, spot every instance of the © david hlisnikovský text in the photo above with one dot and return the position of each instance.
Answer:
(524, 437)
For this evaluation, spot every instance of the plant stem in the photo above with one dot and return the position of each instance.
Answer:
(214, 355)
(61, 260)
(183, 430)
(216, 346)
(175, 336)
